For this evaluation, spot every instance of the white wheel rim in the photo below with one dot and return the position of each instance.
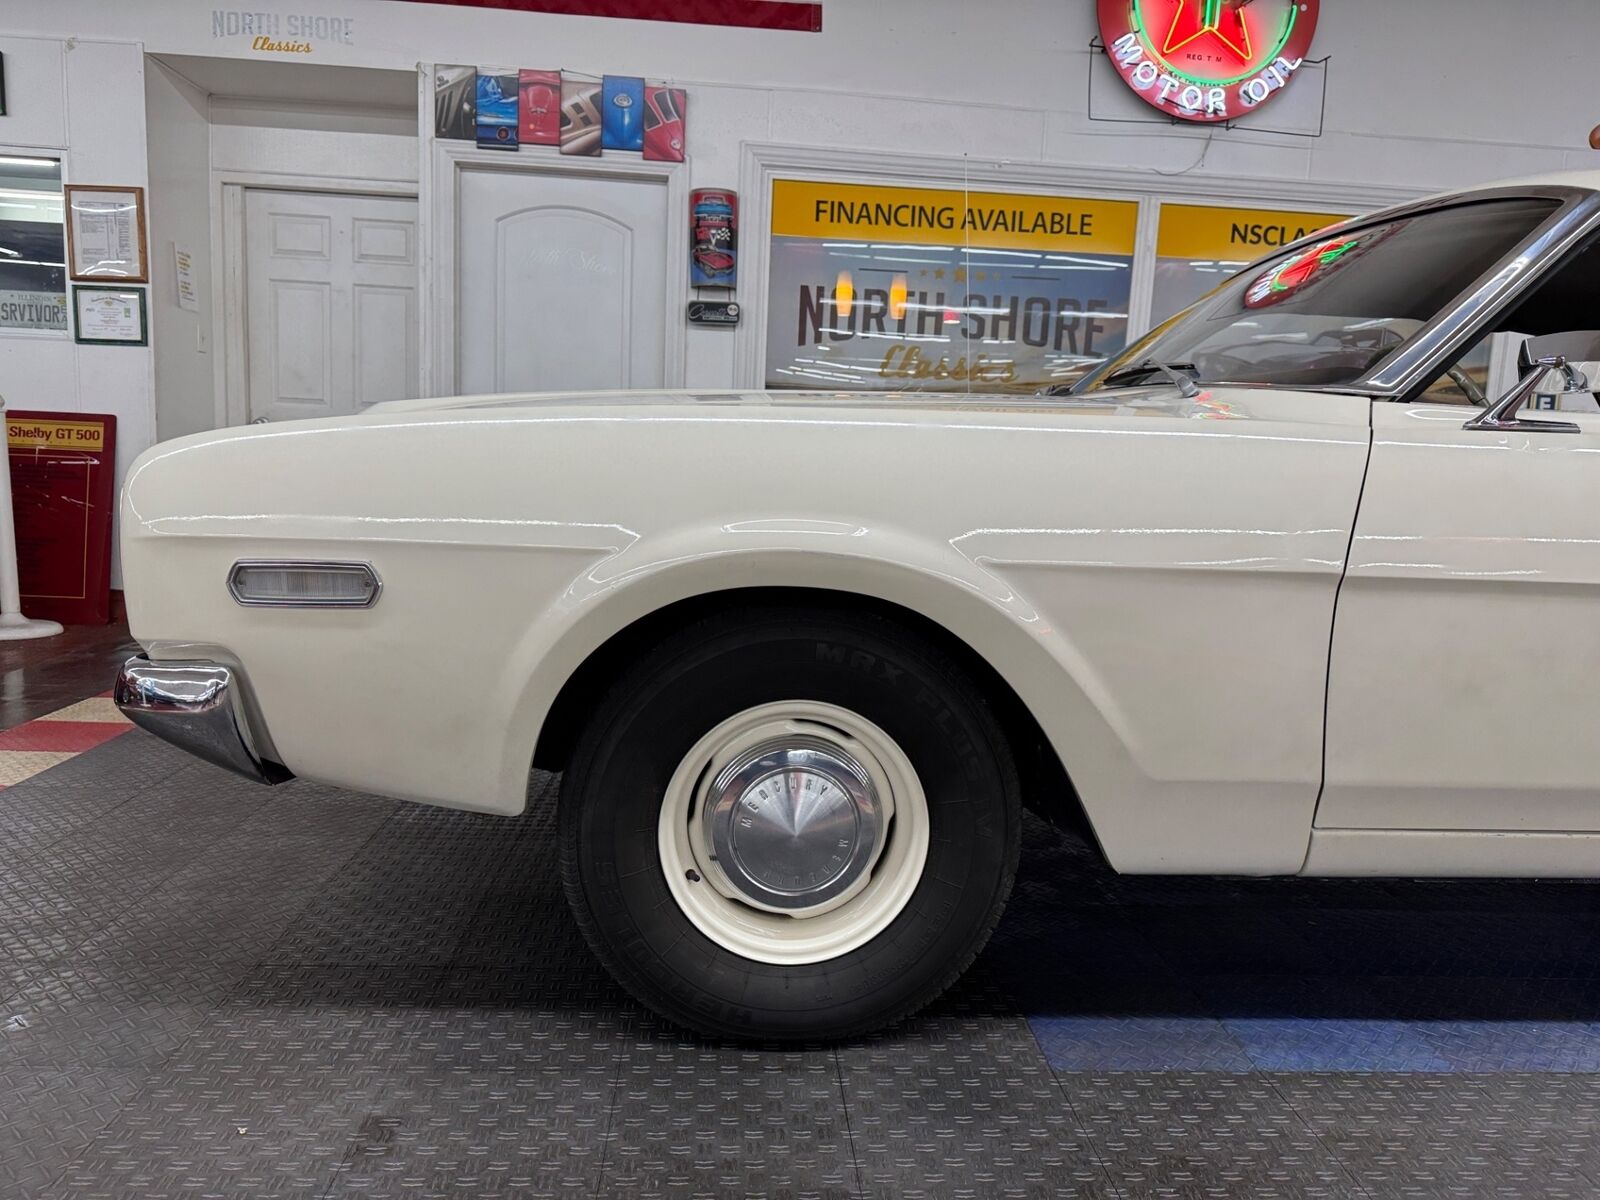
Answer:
(849, 797)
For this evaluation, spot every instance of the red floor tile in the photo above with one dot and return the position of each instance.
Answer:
(72, 736)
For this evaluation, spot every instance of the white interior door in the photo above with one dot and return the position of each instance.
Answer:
(330, 318)
(562, 282)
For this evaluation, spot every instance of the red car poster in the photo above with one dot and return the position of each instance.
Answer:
(665, 109)
(539, 115)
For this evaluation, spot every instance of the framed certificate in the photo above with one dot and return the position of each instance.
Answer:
(105, 233)
(109, 316)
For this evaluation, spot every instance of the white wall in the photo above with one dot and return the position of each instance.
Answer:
(1424, 91)
(180, 213)
(82, 101)
(273, 137)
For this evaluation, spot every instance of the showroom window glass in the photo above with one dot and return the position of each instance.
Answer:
(925, 289)
(1200, 245)
(33, 260)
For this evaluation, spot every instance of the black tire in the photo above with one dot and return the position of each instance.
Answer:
(612, 793)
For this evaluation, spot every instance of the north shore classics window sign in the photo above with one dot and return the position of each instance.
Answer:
(932, 289)
(1207, 60)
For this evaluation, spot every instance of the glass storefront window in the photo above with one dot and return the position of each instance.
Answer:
(922, 289)
(1331, 311)
(1200, 245)
(33, 270)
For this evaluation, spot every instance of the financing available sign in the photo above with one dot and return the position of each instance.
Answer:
(943, 289)
(1207, 60)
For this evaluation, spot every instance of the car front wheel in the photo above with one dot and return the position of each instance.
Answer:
(790, 825)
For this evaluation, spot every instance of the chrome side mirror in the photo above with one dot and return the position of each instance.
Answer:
(1502, 414)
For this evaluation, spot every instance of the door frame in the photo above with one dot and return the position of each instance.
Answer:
(231, 368)
(440, 348)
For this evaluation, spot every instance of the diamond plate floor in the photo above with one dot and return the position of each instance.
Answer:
(209, 989)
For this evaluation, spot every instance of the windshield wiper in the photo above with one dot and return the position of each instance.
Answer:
(1171, 372)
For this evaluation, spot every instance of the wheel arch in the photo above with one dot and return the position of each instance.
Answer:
(1047, 782)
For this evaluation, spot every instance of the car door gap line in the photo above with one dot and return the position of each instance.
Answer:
(1333, 627)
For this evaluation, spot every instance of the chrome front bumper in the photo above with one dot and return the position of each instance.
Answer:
(196, 707)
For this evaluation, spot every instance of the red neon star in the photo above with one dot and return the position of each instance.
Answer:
(1223, 19)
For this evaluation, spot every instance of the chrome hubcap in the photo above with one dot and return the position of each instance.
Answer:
(793, 825)
(793, 832)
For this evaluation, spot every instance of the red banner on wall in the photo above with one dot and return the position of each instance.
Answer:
(796, 15)
(62, 491)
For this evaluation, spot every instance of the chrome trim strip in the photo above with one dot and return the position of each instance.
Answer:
(194, 706)
(305, 564)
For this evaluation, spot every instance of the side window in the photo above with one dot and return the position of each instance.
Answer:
(1466, 381)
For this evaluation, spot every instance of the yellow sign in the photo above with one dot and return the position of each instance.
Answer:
(1199, 231)
(939, 217)
(35, 434)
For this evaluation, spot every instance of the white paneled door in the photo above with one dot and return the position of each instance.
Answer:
(331, 317)
(562, 282)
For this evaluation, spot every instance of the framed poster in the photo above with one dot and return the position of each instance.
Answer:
(109, 316)
(105, 233)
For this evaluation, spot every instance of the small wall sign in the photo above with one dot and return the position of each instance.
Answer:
(64, 492)
(713, 238)
(1207, 60)
(713, 312)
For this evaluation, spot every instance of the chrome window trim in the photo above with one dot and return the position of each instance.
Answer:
(304, 564)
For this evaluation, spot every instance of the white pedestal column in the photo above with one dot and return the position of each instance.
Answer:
(13, 625)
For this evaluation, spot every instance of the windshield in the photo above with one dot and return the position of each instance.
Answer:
(1325, 315)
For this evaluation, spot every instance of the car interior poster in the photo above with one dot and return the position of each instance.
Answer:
(580, 115)
(928, 289)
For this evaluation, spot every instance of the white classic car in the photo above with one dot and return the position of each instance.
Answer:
(1279, 590)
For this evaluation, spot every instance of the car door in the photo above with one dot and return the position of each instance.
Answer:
(1464, 679)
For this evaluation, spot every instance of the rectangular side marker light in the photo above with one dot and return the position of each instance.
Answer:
(280, 583)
